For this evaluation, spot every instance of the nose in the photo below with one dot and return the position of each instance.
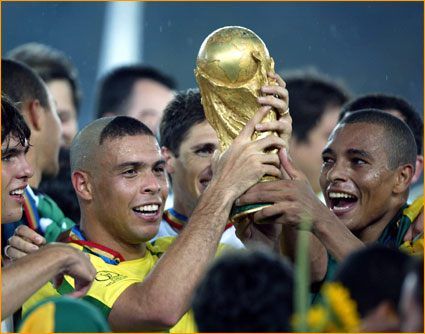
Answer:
(151, 184)
(338, 172)
(25, 171)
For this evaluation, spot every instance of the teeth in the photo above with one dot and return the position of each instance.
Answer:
(340, 195)
(148, 208)
(17, 192)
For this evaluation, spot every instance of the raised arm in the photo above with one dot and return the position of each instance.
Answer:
(164, 296)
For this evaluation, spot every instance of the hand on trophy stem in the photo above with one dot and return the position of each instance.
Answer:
(292, 198)
(244, 162)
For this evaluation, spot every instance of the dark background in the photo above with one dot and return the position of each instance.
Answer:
(371, 46)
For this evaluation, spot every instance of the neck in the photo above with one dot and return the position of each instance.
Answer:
(95, 232)
(373, 231)
(179, 207)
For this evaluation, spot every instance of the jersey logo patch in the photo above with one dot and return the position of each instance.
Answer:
(109, 277)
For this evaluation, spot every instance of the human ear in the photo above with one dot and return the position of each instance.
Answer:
(404, 175)
(34, 115)
(169, 158)
(82, 186)
(418, 168)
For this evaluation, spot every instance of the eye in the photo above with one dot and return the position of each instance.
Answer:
(205, 151)
(358, 161)
(6, 157)
(327, 160)
(130, 172)
(159, 170)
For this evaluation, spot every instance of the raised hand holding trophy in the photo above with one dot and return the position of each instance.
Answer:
(232, 65)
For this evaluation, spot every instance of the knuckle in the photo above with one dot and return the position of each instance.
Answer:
(13, 240)
(19, 229)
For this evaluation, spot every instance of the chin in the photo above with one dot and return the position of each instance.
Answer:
(149, 233)
(12, 217)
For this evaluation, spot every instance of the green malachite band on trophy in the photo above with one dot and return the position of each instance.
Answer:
(243, 210)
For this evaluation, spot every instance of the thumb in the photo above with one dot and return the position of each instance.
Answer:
(57, 281)
(249, 128)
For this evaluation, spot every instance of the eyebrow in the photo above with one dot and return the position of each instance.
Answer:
(15, 151)
(138, 164)
(327, 150)
(159, 162)
(202, 145)
(354, 151)
(350, 151)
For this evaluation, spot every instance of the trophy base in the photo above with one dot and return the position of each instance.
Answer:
(242, 212)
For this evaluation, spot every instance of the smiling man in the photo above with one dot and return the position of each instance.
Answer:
(16, 170)
(36, 105)
(51, 261)
(368, 164)
(119, 176)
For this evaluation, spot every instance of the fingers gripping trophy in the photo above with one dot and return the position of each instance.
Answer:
(231, 68)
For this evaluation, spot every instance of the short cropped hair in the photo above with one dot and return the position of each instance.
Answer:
(50, 64)
(87, 142)
(21, 84)
(310, 95)
(387, 102)
(181, 114)
(248, 291)
(12, 123)
(122, 126)
(115, 87)
(373, 275)
(399, 141)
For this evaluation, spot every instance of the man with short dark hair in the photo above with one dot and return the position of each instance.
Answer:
(61, 78)
(368, 164)
(120, 180)
(137, 91)
(400, 108)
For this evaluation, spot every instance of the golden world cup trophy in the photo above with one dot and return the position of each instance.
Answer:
(231, 68)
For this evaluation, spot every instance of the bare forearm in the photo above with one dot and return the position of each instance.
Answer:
(199, 240)
(338, 240)
(25, 276)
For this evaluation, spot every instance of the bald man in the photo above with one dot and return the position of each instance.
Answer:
(119, 176)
